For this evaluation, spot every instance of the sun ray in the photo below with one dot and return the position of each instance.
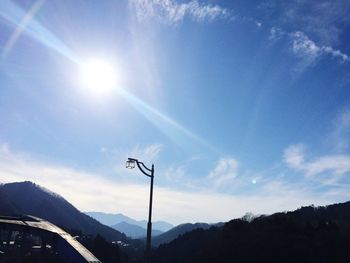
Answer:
(22, 25)
(25, 23)
(164, 123)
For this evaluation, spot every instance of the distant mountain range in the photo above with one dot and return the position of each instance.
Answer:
(129, 226)
(31, 199)
(137, 229)
(134, 231)
(113, 219)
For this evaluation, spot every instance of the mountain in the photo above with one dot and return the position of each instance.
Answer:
(113, 219)
(134, 231)
(177, 231)
(159, 225)
(309, 234)
(31, 199)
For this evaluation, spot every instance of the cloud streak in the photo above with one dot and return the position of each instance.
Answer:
(275, 33)
(25, 23)
(306, 49)
(224, 172)
(341, 130)
(171, 12)
(336, 166)
(303, 46)
(147, 154)
(326, 20)
(93, 192)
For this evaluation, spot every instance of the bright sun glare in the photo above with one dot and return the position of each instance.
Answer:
(98, 76)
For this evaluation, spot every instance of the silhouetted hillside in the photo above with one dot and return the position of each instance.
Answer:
(29, 198)
(177, 231)
(308, 234)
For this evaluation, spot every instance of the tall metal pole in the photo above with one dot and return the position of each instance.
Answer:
(149, 225)
(130, 163)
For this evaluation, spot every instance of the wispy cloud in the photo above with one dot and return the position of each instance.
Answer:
(116, 158)
(340, 134)
(315, 28)
(93, 192)
(148, 154)
(335, 166)
(275, 33)
(303, 46)
(169, 11)
(224, 172)
(307, 50)
(325, 20)
(294, 155)
(175, 174)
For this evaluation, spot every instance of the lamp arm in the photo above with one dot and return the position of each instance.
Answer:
(143, 167)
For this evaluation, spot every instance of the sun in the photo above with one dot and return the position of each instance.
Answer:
(98, 76)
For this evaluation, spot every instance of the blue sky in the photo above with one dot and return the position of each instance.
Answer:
(242, 107)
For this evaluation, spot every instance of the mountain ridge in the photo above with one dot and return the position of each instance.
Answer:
(134, 231)
(32, 199)
(113, 219)
(308, 234)
(181, 229)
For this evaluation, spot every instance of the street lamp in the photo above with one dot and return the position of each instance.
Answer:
(130, 164)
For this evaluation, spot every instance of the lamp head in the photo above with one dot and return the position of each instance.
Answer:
(130, 164)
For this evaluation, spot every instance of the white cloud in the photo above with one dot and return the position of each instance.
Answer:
(336, 53)
(326, 20)
(224, 172)
(171, 12)
(340, 134)
(335, 165)
(276, 33)
(175, 174)
(258, 23)
(294, 155)
(147, 154)
(345, 119)
(304, 47)
(93, 192)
